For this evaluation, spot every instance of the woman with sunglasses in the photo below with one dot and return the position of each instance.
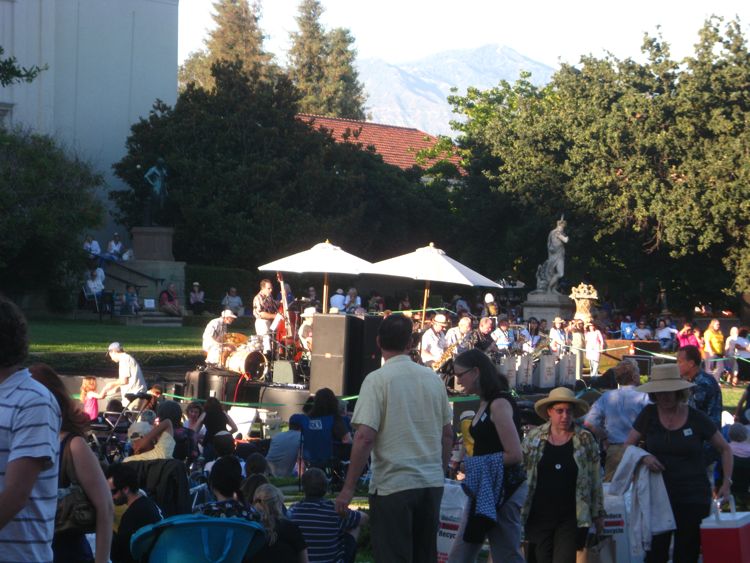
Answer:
(565, 488)
(495, 429)
(284, 540)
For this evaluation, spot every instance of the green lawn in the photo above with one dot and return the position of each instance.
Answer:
(68, 344)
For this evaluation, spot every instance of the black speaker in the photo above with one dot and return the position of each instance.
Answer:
(195, 384)
(371, 356)
(337, 353)
(290, 400)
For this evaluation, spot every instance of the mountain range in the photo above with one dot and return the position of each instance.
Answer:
(415, 94)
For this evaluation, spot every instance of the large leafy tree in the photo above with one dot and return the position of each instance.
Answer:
(647, 160)
(237, 36)
(321, 65)
(248, 181)
(49, 202)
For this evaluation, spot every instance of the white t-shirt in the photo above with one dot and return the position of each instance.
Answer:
(743, 343)
(130, 370)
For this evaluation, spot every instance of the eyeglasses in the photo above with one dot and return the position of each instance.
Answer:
(461, 373)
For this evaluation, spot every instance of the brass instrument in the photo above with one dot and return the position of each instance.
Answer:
(447, 355)
(541, 346)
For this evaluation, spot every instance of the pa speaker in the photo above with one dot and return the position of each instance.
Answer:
(285, 400)
(336, 353)
(283, 372)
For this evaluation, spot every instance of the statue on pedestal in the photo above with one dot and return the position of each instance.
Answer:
(549, 274)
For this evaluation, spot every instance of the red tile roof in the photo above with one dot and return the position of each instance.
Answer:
(397, 145)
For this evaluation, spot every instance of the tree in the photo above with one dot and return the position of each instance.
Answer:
(645, 159)
(49, 202)
(11, 72)
(321, 66)
(237, 36)
(248, 181)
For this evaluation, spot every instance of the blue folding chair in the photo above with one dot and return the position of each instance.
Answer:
(197, 538)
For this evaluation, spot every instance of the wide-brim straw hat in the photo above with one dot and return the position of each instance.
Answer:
(308, 312)
(561, 395)
(440, 318)
(665, 378)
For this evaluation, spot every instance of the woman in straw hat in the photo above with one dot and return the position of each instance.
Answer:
(565, 488)
(675, 435)
(495, 428)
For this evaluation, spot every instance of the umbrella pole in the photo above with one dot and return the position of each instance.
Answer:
(325, 292)
(424, 302)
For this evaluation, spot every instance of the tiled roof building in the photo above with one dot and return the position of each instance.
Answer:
(397, 145)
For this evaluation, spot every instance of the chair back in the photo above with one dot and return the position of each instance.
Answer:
(317, 439)
(199, 539)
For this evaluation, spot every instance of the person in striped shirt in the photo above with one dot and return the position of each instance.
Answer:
(330, 538)
(29, 448)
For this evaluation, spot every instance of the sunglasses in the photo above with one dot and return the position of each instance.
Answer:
(461, 373)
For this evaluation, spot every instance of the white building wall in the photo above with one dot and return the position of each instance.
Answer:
(108, 60)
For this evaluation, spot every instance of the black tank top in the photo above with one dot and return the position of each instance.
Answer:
(486, 440)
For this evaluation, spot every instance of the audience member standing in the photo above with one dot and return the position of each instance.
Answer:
(78, 464)
(403, 419)
(713, 340)
(330, 538)
(706, 395)
(29, 448)
(611, 417)
(141, 511)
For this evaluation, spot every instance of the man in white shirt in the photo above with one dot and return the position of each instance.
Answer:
(214, 335)
(410, 441)
(433, 340)
(130, 380)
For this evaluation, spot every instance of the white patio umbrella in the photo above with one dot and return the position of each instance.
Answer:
(323, 258)
(430, 264)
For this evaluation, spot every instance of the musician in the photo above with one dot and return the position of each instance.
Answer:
(504, 336)
(312, 298)
(214, 336)
(481, 338)
(265, 310)
(305, 329)
(531, 335)
(459, 336)
(557, 336)
(433, 340)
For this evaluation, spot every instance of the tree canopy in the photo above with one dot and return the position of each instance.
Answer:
(48, 201)
(237, 36)
(248, 181)
(648, 161)
(321, 66)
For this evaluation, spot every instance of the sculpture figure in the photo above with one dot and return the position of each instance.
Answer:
(156, 176)
(549, 274)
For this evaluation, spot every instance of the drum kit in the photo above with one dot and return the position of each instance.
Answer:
(246, 356)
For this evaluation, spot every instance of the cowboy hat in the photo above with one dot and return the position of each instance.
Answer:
(664, 378)
(561, 395)
(308, 312)
(440, 318)
(557, 320)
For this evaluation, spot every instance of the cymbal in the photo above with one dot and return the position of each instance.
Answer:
(235, 338)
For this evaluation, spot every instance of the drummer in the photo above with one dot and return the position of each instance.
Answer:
(305, 331)
(215, 335)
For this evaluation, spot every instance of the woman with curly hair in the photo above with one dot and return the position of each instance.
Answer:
(326, 404)
(284, 540)
(72, 546)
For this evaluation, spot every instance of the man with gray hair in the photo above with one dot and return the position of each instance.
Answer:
(29, 448)
(611, 417)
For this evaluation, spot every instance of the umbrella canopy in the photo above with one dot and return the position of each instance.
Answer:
(430, 264)
(323, 258)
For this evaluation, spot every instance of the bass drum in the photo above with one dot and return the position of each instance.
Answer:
(248, 362)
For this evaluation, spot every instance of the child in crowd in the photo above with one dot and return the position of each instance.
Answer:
(90, 398)
(130, 303)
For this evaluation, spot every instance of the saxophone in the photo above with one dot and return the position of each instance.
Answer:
(447, 355)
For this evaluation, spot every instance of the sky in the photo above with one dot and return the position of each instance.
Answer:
(548, 31)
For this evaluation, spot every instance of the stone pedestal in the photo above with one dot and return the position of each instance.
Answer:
(544, 305)
(153, 243)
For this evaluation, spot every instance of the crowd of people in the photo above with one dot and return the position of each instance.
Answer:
(543, 486)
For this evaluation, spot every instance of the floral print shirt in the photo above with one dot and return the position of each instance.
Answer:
(589, 492)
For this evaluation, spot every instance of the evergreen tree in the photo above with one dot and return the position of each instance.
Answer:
(321, 66)
(237, 36)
